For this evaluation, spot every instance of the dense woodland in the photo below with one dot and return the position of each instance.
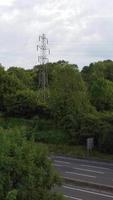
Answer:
(78, 105)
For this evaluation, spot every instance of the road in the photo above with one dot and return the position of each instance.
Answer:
(85, 170)
(77, 193)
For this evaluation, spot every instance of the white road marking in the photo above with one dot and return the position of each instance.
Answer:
(81, 174)
(87, 170)
(97, 172)
(92, 166)
(90, 192)
(90, 182)
(81, 160)
(63, 162)
(72, 197)
(67, 158)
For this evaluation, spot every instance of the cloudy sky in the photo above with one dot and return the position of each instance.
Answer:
(79, 31)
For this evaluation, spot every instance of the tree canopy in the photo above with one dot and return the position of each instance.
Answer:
(75, 100)
(25, 170)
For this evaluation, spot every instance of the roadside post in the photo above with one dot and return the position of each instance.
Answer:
(90, 145)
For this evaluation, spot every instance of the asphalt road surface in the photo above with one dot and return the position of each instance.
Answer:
(84, 170)
(78, 193)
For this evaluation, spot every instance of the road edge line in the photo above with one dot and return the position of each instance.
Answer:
(77, 182)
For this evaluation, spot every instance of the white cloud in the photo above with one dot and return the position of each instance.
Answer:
(9, 17)
(80, 31)
(6, 2)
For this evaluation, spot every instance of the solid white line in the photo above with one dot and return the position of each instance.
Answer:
(97, 172)
(92, 166)
(81, 174)
(87, 191)
(72, 197)
(66, 158)
(60, 161)
(81, 160)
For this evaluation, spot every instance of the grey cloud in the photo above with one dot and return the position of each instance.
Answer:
(78, 31)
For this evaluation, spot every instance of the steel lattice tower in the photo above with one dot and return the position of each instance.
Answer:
(42, 59)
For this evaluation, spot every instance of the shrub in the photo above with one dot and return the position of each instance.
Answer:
(25, 170)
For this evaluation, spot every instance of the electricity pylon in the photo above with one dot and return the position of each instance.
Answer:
(42, 59)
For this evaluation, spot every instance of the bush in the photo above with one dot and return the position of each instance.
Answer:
(52, 137)
(25, 170)
(100, 127)
(105, 138)
(23, 103)
(46, 131)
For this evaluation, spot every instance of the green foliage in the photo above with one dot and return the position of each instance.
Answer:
(8, 85)
(23, 76)
(73, 105)
(98, 77)
(68, 94)
(52, 137)
(100, 127)
(78, 151)
(12, 195)
(46, 131)
(102, 94)
(23, 103)
(25, 170)
(101, 69)
(78, 105)
(105, 136)
(68, 100)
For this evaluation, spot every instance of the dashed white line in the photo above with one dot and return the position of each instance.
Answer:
(81, 169)
(80, 174)
(92, 166)
(87, 191)
(72, 197)
(60, 161)
(85, 161)
(88, 170)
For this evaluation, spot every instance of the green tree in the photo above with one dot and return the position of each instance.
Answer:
(23, 76)
(24, 103)
(68, 98)
(102, 94)
(25, 170)
(105, 136)
(98, 70)
(8, 85)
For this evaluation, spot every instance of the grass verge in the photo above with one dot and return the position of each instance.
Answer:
(78, 152)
